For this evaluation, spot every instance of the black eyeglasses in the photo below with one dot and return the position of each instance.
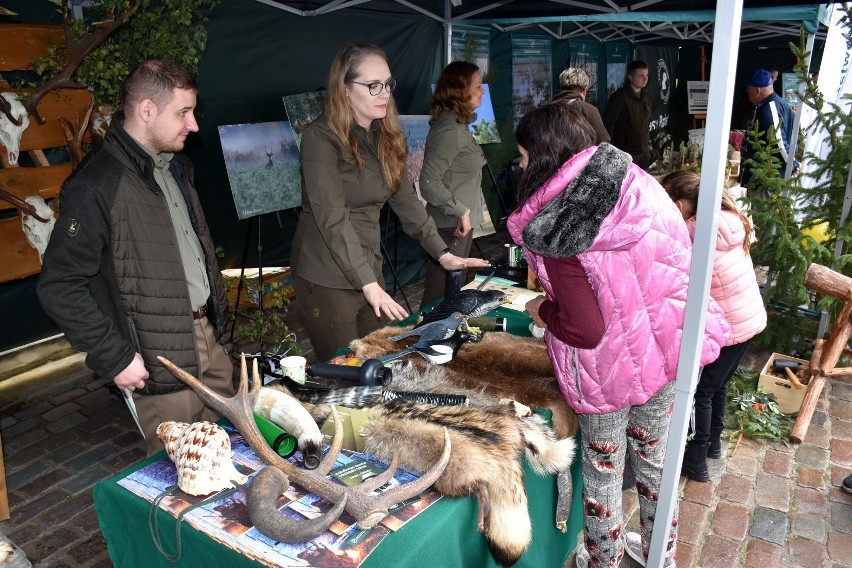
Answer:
(376, 87)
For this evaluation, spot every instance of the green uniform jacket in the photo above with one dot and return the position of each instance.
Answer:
(451, 178)
(337, 241)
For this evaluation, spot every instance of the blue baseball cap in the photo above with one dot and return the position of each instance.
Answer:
(759, 78)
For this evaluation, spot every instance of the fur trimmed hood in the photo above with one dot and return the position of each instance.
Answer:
(572, 220)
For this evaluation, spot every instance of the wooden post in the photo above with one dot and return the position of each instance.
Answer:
(826, 355)
(4, 497)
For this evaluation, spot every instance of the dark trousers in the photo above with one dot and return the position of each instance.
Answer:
(333, 317)
(711, 395)
(436, 277)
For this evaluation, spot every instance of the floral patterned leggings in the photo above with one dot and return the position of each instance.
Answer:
(606, 438)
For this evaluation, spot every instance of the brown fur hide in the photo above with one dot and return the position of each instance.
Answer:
(501, 365)
(489, 439)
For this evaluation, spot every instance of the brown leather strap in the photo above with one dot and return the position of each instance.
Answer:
(202, 311)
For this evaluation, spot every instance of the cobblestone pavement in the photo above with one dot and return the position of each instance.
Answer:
(768, 505)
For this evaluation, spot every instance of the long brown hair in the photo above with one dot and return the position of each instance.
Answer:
(552, 134)
(341, 119)
(452, 91)
(684, 184)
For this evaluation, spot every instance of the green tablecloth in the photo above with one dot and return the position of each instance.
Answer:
(443, 535)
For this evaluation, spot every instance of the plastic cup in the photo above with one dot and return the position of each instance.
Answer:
(294, 367)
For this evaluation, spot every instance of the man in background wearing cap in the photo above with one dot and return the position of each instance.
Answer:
(574, 84)
(772, 113)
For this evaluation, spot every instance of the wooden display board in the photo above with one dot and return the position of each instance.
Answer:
(19, 44)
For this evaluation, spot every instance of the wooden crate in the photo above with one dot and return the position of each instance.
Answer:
(789, 397)
(249, 295)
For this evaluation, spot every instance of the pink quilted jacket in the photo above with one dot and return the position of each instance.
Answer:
(634, 245)
(734, 285)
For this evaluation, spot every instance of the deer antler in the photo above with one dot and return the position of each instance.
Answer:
(74, 134)
(77, 51)
(21, 204)
(368, 510)
(6, 108)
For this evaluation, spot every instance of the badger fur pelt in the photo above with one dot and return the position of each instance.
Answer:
(501, 365)
(489, 440)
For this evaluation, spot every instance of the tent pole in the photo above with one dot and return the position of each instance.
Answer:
(723, 65)
(797, 120)
(448, 32)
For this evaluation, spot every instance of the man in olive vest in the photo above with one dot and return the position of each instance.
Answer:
(130, 272)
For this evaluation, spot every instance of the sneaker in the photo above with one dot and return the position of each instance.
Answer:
(583, 557)
(633, 547)
(847, 484)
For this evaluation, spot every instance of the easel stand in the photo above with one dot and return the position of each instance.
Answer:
(236, 313)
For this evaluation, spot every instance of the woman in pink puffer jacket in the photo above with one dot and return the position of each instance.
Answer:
(734, 287)
(613, 254)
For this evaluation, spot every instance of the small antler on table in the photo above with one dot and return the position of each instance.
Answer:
(367, 509)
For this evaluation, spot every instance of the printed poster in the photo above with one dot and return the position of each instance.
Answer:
(662, 67)
(263, 167)
(302, 109)
(618, 55)
(226, 520)
(585, 54)
(531, 74)
(471, 44)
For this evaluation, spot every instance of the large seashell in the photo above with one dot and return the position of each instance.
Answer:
(202, 454)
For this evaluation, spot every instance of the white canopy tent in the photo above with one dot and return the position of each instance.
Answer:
(725, 24)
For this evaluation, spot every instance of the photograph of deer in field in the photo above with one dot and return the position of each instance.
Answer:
(302, 109)
(263, 167)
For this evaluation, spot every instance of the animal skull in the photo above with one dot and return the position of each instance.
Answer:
(10, 135)
(38, 233)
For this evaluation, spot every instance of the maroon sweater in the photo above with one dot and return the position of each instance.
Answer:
(574, 316)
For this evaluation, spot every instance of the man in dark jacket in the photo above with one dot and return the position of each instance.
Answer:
(627, 115)
(130, 272)
(774, 114)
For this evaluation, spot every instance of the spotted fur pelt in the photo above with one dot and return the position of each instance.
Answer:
(489, 441)
(501, 365)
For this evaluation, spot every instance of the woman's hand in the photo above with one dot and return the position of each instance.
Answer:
(382, 302)
(450, 261)
(463, 225)
(532, 308)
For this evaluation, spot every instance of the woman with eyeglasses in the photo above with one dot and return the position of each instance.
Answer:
(451, 178)
(353, 162)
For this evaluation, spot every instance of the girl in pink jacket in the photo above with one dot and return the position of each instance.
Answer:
(734, 287)
(613, 254)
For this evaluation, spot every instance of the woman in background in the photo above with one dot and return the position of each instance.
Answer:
(734, 287)
(613, 255)
(451, 178)
(353, 162)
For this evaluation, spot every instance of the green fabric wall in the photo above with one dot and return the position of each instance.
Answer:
(255, 55)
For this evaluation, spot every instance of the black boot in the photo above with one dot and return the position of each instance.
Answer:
(695, 462)
(714, 450)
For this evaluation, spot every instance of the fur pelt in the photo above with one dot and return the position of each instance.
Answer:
(501, 366)
(489, 439)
